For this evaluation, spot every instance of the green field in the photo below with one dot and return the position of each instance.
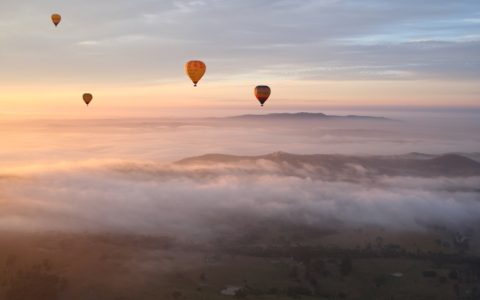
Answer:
(351, 264)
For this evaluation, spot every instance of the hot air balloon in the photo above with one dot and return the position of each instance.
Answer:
(195, 69)
(262, 92)
(56, 18)
(87, 98)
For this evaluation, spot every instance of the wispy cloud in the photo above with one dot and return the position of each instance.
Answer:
(243, 34)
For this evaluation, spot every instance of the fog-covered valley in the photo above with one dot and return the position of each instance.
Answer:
(183, 209)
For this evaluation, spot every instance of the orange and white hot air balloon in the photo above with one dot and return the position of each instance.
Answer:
(87, 98)
(195, 69)
(56, 18)
(262, 92)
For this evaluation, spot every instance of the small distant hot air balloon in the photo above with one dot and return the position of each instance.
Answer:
(262, 92)
(195, 69)
(56, 18)
(87, 98)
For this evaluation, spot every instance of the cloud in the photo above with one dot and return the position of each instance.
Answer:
(105, 175)
(190, 203)
(240, 36)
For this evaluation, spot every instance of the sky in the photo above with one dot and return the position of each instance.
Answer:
(314, 54)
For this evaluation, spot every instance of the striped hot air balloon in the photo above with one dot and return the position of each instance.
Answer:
(195, 69)
(262, 92)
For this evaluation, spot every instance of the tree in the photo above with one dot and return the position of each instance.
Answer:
(176, 295)
(35, 283)
(346, 266)
(294, 273)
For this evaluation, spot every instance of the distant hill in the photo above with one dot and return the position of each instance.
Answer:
(328, 166)
(305, 116)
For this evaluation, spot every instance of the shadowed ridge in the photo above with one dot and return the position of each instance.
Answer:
(418, 155)
(278, 156)
(212, 158)
(454, 160)
(449, 165)
(453, 165)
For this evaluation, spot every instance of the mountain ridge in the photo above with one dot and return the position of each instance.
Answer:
(306, 116)
(448, 165)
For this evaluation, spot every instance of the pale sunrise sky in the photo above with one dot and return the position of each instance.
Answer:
(312, 53)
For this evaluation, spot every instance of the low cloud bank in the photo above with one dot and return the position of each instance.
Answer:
(189, 202)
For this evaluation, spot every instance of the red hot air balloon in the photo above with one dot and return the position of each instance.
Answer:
(262, 92)
(87, 98)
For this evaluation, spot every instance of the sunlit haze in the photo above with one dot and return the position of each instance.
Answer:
(330, 149)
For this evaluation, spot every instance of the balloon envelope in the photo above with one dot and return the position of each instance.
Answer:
(262, 92)
(87, 98)
(195, 69)
(56, 18)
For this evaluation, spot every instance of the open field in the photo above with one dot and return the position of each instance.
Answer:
(335, 266)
